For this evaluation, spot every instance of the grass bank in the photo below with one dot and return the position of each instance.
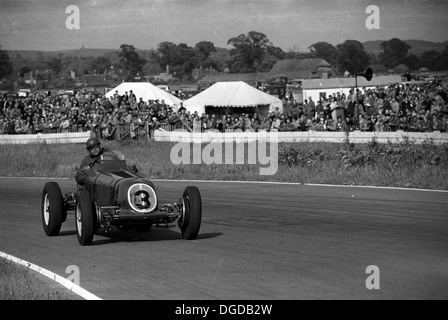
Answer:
(19, 283)
(399, 165)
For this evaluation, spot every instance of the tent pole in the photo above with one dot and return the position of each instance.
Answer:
(258, 112)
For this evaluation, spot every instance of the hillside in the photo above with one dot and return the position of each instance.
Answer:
(221, 54)
(83, 52)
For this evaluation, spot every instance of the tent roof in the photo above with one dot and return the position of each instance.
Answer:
(401, 68)
(146, 91)
(230, 94)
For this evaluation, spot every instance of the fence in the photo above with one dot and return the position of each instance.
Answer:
(120, 132)
(166, 132)
(50, 138)
(301, 136)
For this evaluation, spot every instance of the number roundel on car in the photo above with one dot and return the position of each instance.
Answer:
(142, 198)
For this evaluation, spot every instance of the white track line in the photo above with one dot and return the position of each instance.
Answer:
(304, 184)
(61, 280)
(264, 182)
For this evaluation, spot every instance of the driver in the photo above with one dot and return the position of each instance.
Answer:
(91, 161)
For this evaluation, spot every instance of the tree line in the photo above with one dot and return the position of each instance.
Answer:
(251, 52)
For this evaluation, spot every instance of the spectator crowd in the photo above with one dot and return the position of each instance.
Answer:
(409, 107)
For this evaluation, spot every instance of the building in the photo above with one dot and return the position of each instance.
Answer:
(317, 88)
(307, 68)
(32, 78)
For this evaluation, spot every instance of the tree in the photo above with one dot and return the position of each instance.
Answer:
(248, 50)
(276, 52)
(165, 54)
(100, 64)
(23, 70)
(352, 57)
(55, 64)
(413, 62)
(186, 59)
(394, 52)
(268, 62)
(205, 48)
(442, 63)
(429, 59)
(325, 51)
(6, 66)
(130, 59)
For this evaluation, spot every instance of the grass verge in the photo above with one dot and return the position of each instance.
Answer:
(403, 164)
(19, 283)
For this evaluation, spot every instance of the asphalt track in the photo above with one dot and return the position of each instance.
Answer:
(257, 241)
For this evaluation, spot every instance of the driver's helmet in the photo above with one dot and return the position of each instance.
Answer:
(92, 142)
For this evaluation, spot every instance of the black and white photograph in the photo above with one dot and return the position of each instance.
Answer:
(223, 158)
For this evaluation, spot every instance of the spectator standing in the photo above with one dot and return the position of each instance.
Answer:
(333, 108)
(435, 123)
(65, 123)
(265, 124)
(394, 122)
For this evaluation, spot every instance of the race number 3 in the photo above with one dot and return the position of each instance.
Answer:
(373, 280)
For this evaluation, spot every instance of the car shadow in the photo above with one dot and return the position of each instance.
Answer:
(67, 233)
(161, 233)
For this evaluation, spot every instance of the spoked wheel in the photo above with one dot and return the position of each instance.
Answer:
(84, 218)
(52, 209)
(190, 220)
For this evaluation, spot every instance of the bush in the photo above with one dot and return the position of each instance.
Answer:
(292, 157)
(374, 154)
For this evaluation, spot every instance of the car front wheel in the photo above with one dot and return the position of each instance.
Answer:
(84, 218)
(190, 220)
(52, 209)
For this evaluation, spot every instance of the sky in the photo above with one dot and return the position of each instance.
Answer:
(288, 24)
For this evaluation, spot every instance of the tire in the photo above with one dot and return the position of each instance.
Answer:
(190, 221)
(84, 218)
(52, 209)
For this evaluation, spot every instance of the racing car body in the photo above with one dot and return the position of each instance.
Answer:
(115, 196)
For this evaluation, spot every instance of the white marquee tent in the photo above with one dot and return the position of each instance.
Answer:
(232, 94)
(146, 91)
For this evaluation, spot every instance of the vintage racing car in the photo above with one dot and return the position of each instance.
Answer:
(116, 197)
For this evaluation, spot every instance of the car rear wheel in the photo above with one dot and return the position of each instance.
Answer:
(190, 220)
(52, 209)
(84, 218)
